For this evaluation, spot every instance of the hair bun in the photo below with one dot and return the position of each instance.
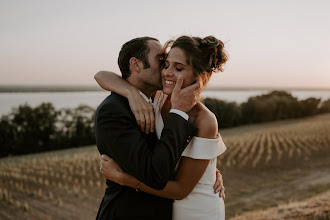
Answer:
(215, 49)
(204, 54)
(208, 42)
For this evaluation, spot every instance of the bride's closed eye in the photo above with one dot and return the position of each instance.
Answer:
(177, 68)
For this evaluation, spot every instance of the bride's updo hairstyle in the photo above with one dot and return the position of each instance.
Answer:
(204, 55)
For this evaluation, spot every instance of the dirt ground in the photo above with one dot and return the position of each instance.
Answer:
(248, 190)
(315, 208)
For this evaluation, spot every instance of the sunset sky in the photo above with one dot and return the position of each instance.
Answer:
(276, 43)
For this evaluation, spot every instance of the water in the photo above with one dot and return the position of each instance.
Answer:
(94, 98)
(240, 96)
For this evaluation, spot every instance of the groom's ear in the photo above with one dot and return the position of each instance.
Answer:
(135, 64)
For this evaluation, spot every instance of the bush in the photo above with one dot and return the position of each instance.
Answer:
(7, 136)
(28, 130)
(309, 107)
(76, 127)
(228, 113)
(325, 107)
(33, 128)
(276, 105)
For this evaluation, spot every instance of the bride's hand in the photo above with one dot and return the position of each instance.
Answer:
(111, 170)
(142, 110)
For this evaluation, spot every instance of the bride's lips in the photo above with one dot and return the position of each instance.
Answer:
(169, 83)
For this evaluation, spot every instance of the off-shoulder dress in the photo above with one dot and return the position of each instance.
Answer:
(201, 203)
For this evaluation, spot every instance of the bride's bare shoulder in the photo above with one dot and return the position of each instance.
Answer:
(207, 123)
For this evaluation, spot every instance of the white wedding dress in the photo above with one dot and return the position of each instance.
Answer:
(201, 203)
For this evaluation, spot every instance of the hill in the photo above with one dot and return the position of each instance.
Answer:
(275, 163)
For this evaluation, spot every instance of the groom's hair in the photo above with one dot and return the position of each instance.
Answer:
(138, 48)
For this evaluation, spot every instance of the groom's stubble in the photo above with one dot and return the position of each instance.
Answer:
(152, 76)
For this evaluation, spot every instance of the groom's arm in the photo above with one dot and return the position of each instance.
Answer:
(151, 162)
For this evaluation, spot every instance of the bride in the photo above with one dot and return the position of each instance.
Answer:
(189, 58)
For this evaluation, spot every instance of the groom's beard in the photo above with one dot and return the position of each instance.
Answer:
(160, 83)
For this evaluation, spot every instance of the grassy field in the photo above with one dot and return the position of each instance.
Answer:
(274, 169)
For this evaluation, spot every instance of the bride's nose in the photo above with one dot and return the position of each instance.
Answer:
(168, 72)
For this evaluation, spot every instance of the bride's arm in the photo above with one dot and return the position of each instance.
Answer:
(189, 171)
(142, 110)
(112, 82)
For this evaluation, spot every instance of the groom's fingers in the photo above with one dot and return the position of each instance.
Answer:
(222, 193)
(217, 189)
(196, 87)
(217, 181)
(178, 85)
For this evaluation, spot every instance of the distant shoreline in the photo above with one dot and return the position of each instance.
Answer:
(54, 88)
(13, 89)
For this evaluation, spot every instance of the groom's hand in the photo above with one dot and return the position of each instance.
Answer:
(184, 99)
(218, 185)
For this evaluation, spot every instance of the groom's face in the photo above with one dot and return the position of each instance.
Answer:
(152, 74)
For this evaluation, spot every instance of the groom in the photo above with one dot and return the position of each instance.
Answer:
(148, 159)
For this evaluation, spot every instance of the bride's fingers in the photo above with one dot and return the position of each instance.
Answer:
(152, 121)
(147, 117)
(142, 122)
(137, 118)
(102, 166)
(105, 157)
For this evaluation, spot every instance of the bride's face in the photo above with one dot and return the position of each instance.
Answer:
(175, 65)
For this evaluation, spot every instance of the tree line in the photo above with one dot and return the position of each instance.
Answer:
(28, 130)
(276, 105)
(42, 128)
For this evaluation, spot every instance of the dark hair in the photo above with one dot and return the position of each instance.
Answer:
(138, 48)
(205, 56)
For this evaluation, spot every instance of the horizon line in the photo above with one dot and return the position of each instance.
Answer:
(58, 87)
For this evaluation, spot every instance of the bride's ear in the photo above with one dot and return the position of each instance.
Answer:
(135, 64)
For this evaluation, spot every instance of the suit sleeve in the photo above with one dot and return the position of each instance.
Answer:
(151, 162)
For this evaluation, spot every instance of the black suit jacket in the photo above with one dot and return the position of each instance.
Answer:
(148, 159)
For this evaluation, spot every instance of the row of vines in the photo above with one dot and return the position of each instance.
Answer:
(54, 176)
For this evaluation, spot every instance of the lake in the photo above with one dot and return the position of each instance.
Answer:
(94, 98)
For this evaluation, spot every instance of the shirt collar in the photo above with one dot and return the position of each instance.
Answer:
(149, 100)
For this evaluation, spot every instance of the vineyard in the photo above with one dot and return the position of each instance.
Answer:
(67, 184)
(276, 143)
(63, 180)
